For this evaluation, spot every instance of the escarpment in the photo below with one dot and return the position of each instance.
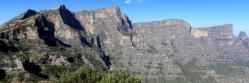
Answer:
(166, 51)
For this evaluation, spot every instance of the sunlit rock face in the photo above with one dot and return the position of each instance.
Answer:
(173, 45)
(226, 43)
(170, 51)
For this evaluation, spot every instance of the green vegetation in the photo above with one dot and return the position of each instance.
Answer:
(86, 74)
(17, 22)
(54, 71)
(7, 79)
(227, 69)
(19, 76)
(119, 77)
(223, 68)
(242, 63)
(74, 72)
(63, 74)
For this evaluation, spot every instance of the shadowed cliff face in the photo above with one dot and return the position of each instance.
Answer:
(46, 31)
(160, 51)
(69, 19)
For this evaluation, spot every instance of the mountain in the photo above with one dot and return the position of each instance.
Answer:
(170, 51)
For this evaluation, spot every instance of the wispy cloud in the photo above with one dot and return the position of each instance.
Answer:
(131, 1)
(128, 1)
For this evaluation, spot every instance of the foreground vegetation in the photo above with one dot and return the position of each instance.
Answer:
(83, 74)
(86, 74)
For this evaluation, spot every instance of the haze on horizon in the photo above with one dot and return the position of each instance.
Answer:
(199, 13)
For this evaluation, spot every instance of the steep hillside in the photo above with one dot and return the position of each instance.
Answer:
(40, 45)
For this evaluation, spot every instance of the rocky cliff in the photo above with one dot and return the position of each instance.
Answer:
(170, 51)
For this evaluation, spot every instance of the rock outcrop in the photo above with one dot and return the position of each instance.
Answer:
(242, 35)
(170, 51)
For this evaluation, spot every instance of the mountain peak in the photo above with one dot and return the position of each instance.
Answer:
(62, 6)
(28, 13)
(114, 10)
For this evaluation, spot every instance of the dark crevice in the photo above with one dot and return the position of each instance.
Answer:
(99, 41)
(93, 42)
(2, 74)
(46, 32)
(31, 67)
(129, 22)
(105, 58)
(85, 42)
(62, 43)
(99, 44)
(7, 48)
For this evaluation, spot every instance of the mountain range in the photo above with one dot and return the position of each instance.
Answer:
(166, 51)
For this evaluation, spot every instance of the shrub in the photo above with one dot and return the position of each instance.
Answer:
(70, 77)
(54, 70)
(119, 76)
(84, 74)
(133, 79)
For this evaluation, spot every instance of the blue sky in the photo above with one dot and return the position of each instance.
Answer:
(197, 12)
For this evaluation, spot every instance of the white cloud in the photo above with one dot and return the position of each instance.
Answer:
(128, 1)
(131, 1)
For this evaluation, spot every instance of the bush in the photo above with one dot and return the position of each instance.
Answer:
(119, 76)
(86, 74)
(70, 77)
(115, 77)
(133, 79)
(54, 70)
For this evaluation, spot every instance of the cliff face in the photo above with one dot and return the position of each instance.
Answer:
(173, 52)
(160, 51)
(232, 53)
(59, 37)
